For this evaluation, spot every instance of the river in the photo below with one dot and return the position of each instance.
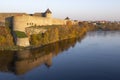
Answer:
(94, 56)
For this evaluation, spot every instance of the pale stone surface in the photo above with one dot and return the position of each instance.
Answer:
(3, 16)
(23, 42)
(22, 22)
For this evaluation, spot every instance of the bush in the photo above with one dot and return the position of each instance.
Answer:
(6, 38)
(57, 33)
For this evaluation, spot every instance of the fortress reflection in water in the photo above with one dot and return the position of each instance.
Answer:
(20, 62)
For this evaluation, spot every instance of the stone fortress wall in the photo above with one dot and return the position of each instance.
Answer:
(3, 16)
(22, 21)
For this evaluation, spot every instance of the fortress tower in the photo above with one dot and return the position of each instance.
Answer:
(48, 13)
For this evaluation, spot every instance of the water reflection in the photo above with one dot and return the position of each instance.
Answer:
(20, 62)
(103, 33)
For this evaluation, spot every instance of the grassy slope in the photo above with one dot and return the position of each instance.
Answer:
(20, 34)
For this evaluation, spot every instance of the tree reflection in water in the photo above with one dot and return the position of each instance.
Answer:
(19, 62)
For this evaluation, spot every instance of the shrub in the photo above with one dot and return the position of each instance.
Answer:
(56, 33)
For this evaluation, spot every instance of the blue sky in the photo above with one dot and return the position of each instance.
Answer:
(75, 9)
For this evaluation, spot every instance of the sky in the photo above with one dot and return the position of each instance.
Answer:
(75, 9)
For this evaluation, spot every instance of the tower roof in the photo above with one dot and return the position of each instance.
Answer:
(67, 18)
(48, 11)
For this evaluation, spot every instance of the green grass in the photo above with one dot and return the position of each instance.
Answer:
(20, 34)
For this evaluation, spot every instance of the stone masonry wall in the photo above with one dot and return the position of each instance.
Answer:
(23, 42)
(58, 21)
(22, 22)
(3, 16)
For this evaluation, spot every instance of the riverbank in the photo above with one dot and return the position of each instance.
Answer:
(52, 34)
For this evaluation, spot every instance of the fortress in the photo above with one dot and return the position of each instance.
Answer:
(22, 21)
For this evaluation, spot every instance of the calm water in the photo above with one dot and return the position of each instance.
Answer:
(95, 56)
